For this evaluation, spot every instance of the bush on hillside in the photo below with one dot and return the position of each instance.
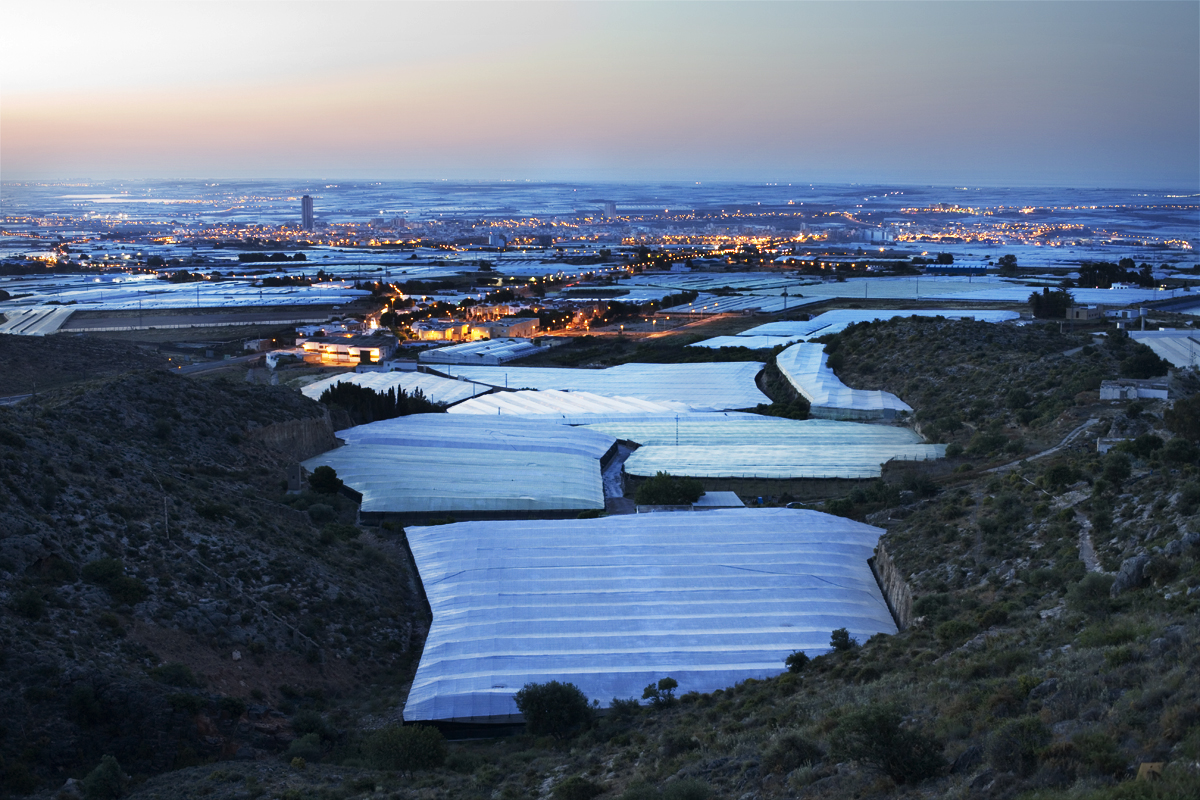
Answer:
(553, 708)
(406, 748)
(875, 736)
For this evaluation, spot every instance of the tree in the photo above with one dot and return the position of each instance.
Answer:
(661, 694)
(841, 640)
(945, 258)
(1049, 304)
(324, 480)
(553, 708)
(1143, 363)
(797, 661)
(666, 490)
(406, 748)
(875, 736)
(1183, 418)
(1008, 266)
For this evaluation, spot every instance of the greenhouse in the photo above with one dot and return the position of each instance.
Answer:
(751, 446)
(837, 321)
(804, 365)
(487, 351)
(615, 604)
(432, 464)
(701, 387)
(568, 406)
(1180, 347)
(443, 391)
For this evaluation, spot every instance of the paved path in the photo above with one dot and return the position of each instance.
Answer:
(1070, 437)
(1087, 550)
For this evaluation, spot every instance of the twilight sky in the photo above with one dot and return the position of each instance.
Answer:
(1008, 93)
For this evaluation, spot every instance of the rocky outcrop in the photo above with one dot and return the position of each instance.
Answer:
(1132, 575)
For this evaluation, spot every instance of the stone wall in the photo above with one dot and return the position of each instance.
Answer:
(895, 589)
(298, 439)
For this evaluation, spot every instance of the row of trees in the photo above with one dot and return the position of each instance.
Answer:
(364, 404)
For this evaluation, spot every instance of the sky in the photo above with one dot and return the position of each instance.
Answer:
(981, 93)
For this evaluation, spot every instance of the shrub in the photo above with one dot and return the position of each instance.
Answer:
(84, 708)
(1059, 476)
(109, 573)
(841, 640)
(686, 789)
(321, 513)
(1116, 467)
(874, 736)
(666, 490)
(324, 480)
(1014, 746)
(789, 751)
(186, 703)
(29, 604)
(953, 630)
(577, 788)
(105, 781)
(406, 748)
(175, 674)
(307, 747)
(553, 708)
(1091, 595)
(309, 721)
(1179, 451)
(797, 661)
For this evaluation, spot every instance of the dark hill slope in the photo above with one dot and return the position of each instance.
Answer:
(144, 539)
(38, 363)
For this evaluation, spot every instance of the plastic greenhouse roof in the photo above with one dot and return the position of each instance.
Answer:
(1180, 347)
(703, 387)
(804, 366)
(616, 603)
(479, 432)
(750, 446)
(485, 351)
(435, 389)
(571, 406)
(753, 342)
(837, 321)
(435, 463)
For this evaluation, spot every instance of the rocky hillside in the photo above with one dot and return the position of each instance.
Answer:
(162, 599)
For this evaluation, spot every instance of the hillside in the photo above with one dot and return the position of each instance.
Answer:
(1051, 652)
(163, 599)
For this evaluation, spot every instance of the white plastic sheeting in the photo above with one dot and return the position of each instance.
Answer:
(702, 387)
(804, 366)
(1180, 347)
(437, 463)
(478, 432)
(837, 321)
(614, 604)
(34, 321)
(753, 342)
(436, 389)
(568, 405)
(750, 446)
